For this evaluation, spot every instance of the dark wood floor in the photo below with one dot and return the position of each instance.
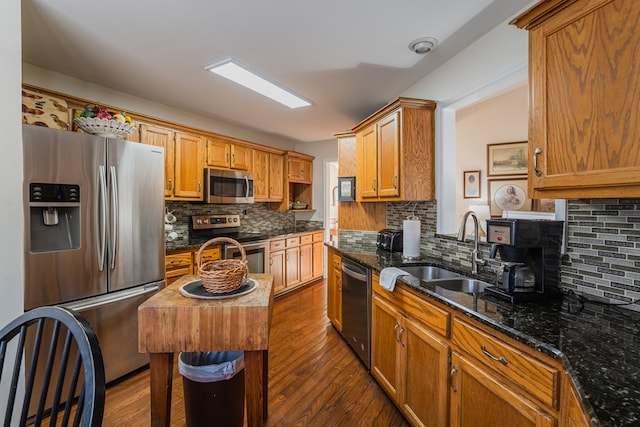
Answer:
(314, 377)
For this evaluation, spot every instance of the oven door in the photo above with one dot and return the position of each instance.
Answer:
(256, 253)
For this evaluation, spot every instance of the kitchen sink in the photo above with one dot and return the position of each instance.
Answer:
(461, 284)
(428, 272)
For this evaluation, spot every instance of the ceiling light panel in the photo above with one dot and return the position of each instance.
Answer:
(239, 74)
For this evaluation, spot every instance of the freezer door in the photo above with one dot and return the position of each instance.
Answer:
(55, 273)
(135, 175)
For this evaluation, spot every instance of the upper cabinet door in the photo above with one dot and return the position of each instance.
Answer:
(240, 157)
(389, 156)
(165, 138)
(584, 128)
(367, 143)
(189, 166)
(218, 153)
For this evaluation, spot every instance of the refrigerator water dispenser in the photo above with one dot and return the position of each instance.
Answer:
(54, 217)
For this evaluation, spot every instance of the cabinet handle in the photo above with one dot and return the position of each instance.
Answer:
(400, 336)
(492, 357)
(395, 182)
(453, 386)
(374, 184)
(537, 151)
(395, 329)
(199, 186)
(170, 185)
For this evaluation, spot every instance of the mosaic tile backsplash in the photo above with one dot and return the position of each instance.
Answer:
(603, 246)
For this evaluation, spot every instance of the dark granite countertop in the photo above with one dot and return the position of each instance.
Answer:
(599, 345)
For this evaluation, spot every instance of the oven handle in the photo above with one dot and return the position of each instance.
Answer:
(228, 248)
(346, 270)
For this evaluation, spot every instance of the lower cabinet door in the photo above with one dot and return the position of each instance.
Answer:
(480, 399)
(425, 385)
(384, 346)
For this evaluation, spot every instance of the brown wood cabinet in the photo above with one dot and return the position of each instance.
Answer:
(584, 123)
(408, 359)
(184, 159)
(299, 168)
(293, 260)
(479, 398)
(442, 368)
(395, 153)
(224, 154)
(268, 176)
(182, 262)
(334, 289)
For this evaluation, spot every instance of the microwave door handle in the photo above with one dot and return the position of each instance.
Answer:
(102, 214)
(114, 216)
(246, 183)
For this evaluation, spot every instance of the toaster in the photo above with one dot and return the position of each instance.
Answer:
(389, 240)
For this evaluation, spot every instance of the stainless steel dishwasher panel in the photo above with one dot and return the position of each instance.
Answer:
(356, 308)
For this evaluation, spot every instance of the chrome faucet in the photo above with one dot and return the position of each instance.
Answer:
(476, 256)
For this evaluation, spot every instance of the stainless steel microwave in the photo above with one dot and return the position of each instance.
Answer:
(224, 186)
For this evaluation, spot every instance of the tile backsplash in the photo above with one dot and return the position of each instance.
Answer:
(603, 246)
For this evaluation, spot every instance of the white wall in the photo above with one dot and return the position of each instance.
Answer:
(11, 250)
(496, 61)
(48, 79)
(501, 118)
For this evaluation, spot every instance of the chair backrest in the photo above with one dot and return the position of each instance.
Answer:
(64, 378)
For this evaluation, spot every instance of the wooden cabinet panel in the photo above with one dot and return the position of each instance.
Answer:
(537, 378)
(177, 265)
(480, 399)
(276, 177)
(299, 170)
(292, 256)
(165, 138)
(218, 153)
(389, 155)
(368, 140)
(240, 157)
(318, 255)
(306, 262)
(277, 268)
(189, 163)
(584, 92)
(572, 413)
(334, 289)
(384, 353)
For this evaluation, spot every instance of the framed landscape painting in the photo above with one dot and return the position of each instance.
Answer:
(510, 158)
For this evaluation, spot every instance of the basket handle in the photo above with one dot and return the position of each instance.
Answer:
(221, 239)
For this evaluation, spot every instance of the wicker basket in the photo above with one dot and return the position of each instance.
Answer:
(223, 275)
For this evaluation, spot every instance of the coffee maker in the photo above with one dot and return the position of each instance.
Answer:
(530, 252)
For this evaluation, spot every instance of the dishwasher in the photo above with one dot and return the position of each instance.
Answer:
(356, 308)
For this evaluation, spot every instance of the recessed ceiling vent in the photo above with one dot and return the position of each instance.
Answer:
(423, 45)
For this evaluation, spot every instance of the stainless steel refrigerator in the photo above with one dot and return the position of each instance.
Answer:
(94, 233)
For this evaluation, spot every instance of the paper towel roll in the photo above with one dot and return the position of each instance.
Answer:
(411, 238)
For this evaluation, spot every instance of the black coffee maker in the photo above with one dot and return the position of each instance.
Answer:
(530, 252)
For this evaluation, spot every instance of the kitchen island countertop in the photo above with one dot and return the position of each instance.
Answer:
(599, 345)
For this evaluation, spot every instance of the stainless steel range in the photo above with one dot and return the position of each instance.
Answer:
(255, 245)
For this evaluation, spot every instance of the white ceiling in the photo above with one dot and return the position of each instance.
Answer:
(349, 57)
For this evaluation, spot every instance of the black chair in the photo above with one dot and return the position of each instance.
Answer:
(64, 381)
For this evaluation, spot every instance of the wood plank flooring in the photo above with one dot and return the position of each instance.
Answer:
(314, 377)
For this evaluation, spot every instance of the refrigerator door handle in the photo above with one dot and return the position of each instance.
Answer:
(114, 216)
(102, 300)
(102, 217)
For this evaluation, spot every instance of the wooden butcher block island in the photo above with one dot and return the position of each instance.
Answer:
(169, 322)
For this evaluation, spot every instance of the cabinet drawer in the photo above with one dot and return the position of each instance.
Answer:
(293, 241)
(206, 256)
(305, 239)
(538, 378)
(177, 261)
(276, 245)
(318, 237)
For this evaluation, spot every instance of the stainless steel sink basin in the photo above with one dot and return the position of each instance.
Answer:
(461, 284)
(428, 272)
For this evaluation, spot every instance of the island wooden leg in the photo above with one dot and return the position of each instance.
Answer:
(161, 379)
(256, 386)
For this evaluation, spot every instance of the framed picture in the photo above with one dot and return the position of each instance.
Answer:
(471, 188)
(510, 158)
(347, 189)
(508, 194)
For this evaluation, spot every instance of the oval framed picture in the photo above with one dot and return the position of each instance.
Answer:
(508, 194)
